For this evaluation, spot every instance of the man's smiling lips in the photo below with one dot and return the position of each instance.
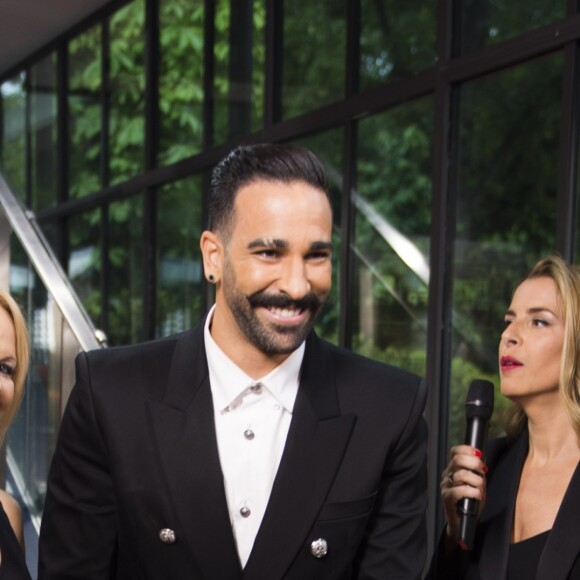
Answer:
(285, 315)
(508, 363)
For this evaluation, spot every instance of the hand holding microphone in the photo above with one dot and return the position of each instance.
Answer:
(463, 485)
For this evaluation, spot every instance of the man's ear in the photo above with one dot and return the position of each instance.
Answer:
(212, 253)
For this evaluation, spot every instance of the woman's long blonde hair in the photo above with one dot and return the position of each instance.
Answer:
(22, 358)
(567, 280)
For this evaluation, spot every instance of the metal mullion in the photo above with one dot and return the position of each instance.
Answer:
(273, 64)
(152, 61)
(62, 145)
(568, 157)
(27, 140)
(439, 312)
(208, 74)
(346, 271)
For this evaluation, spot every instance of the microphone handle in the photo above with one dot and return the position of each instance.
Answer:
(475, 436)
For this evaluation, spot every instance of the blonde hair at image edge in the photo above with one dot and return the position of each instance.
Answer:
(8, 304)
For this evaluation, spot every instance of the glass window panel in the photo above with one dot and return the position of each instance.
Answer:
(329, 146)
(125, 272)
(486, 22)
(397, 39)
(392, 228)
(506, 212)
(85, 113)
(31, 438)
(314, 55)
(179, 267)
(84, 262)
(12, 134)
(239, 56)
(127, 97)
(43, 138)
(181, 78)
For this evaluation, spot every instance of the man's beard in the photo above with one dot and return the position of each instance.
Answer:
(270, 338)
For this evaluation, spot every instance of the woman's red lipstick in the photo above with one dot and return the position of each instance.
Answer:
(507, 363)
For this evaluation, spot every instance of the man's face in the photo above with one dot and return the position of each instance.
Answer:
(277, 264)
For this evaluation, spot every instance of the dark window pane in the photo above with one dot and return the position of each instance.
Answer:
(397, 39)
(127, 97)
(84, 262)
(12, 134)
(485, 22)
(329, 146)
(181, 79)
(125, 264)
(85, 111)
(43, 142)
(314, 54)
(393, 220)
(239, 54)
(179, 270)
(32, 436)
(506, 211)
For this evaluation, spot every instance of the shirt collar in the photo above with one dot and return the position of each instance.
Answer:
(228, 382)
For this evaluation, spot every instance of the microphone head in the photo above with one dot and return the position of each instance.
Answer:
(479, 402)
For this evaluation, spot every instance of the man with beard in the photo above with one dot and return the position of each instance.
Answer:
(246, 448)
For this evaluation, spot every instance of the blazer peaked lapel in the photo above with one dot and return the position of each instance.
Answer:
(499, 512)
(315, 446)
(561, 548)
(184, 428)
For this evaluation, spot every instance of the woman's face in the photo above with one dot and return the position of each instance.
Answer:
(531, 344)
(7, 360)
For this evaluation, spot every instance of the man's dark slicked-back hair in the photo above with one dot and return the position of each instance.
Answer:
(269, 162)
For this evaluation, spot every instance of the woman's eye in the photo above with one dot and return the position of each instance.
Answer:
(6, 369)
(539, 322)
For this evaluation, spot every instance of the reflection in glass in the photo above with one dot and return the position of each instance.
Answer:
(397, 39)
(12, 136)
(85, 112)
(486, 22)
(239, 55)
(84, 261)
(180, 78)
(179, 269)
(127, 92)
(393, 220)
(43, 139)
(329, 147)
(314, 55)
(506, 211)
(125, 263)
(32, 437)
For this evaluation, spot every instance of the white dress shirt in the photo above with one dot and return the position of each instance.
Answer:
(252, 419)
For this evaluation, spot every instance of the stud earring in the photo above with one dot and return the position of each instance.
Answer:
(211, 278)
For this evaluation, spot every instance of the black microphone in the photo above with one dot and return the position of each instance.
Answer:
(478, 410)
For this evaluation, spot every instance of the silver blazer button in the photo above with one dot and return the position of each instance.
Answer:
(319, 548)
(167, 536)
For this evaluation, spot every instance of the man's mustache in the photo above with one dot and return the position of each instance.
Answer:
(266, 300)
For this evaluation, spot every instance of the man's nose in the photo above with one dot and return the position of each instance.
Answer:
(294, 279)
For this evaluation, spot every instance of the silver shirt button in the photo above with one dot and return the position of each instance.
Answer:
(257, 388)
(245, 512)
(249, 434)
(319, 548)
(167, 536)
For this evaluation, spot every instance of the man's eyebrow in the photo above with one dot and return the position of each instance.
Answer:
(321, 246)
(267, 243)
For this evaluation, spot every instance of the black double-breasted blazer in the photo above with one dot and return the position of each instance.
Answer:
(560, 559)
(137, 453)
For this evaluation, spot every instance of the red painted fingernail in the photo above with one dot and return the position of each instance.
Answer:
(484, 469)
(478, 453)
